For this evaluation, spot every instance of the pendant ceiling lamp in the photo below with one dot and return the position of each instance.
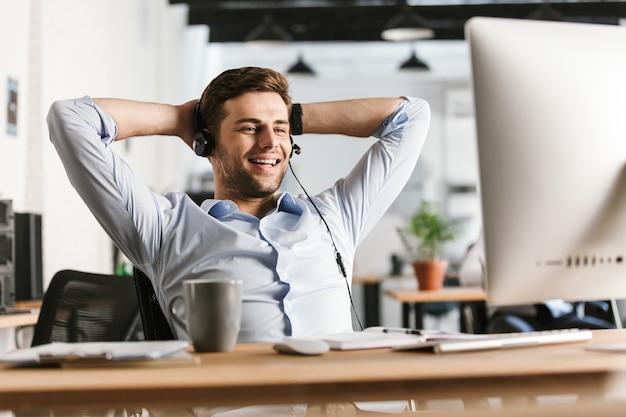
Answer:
(301, 67)
(414, 63)
(269, 33)
(546, 12)
(406, 26)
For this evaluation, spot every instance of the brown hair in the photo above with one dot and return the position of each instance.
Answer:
(233, 83)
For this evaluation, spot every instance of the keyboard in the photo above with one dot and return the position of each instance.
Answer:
(502, 341)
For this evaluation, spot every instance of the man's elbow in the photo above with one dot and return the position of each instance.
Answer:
(56, 115)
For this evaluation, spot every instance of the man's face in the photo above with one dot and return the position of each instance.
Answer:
(251, 154)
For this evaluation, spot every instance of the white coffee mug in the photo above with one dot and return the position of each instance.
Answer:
(212, 311)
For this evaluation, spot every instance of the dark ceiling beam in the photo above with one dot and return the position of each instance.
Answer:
(288, 4)
(345, 22)
(304, 24)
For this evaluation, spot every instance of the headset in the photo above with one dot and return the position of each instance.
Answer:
(203, 143)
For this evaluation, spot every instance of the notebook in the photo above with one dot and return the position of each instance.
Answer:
(92, 352)
(387, 337)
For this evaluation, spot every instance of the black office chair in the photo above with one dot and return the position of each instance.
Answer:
(586, 315)
(87, 307)
(155, 325)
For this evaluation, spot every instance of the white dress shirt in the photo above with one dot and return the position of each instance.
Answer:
(292, 285)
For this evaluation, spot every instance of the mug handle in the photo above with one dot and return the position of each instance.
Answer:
(175, 317)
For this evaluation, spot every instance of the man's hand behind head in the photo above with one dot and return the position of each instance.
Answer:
(186, 122)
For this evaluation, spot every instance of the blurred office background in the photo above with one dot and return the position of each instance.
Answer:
(150, 50)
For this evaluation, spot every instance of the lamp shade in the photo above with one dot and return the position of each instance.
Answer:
(301, 67)
(414, 63)
(406, 26)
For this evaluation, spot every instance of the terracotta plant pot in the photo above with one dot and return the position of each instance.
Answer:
(430, 274)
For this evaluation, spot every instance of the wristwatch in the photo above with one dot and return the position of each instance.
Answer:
(295, 120)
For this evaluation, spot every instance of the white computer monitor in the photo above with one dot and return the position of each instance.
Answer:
(550, 103)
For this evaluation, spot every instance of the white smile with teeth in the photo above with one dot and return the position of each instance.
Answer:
(264, 161)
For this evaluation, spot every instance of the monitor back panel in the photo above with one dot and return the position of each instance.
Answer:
(551, 126)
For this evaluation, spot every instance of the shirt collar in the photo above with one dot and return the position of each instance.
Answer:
(221, 209)
(288, 204)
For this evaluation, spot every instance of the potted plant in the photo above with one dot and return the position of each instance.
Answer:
(432, 229)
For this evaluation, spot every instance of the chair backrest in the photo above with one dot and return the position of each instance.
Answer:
(86, 307)
(155, 325)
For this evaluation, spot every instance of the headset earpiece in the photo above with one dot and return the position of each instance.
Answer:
(202, 140)
(203, 143)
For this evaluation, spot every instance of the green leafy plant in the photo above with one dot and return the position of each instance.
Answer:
(432, 229)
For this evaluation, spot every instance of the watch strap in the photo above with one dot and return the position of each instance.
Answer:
(295, 119)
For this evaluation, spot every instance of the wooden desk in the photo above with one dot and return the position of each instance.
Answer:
(255, 374)
(415, 300)
(21, 319)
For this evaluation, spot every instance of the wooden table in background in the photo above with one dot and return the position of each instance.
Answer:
(415, 300)
(17, 319)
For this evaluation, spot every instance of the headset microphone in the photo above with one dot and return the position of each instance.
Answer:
(203, 144)
(294, 148)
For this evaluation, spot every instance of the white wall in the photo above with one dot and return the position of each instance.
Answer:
(14, 35)
(136, 49)
(133, 51)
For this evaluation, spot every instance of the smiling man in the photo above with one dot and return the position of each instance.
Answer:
(250, 169)
(293, 252)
